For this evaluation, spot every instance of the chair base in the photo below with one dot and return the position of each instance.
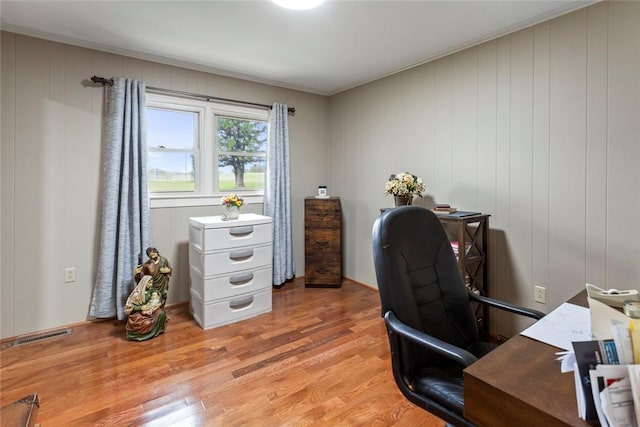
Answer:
(21, 413)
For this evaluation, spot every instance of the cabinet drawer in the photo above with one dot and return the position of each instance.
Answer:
(212, 239)
(216, 263)
(321, 240)
(322, 213)
(222, 312)
(231, 284)
(326, 271)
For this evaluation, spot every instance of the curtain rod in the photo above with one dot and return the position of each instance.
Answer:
(105, 81)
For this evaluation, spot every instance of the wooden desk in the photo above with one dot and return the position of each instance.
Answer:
(520, 384)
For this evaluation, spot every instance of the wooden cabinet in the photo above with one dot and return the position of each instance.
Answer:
(322, 242)
(230, 265)
(469, 239)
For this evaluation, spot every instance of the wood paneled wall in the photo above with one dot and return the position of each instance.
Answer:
(51, 168)
(539, 128)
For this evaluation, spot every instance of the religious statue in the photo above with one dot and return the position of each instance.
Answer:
(145, 306)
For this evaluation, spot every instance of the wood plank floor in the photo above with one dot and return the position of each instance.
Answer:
(320, 358)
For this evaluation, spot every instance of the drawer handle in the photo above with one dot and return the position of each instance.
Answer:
(322, 242)
(241, 231)
(241, 303)
(322, 270)
(240, 279)
(240, 255)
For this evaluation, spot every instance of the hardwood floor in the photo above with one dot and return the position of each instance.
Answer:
(320, 358)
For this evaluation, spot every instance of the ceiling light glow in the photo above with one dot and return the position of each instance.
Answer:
(298, 4)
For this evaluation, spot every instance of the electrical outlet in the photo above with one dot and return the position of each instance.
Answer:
(540, 294)
(69, 275)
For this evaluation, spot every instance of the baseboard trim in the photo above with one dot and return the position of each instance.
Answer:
(8, 342)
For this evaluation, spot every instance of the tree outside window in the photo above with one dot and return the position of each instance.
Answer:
(241, 152)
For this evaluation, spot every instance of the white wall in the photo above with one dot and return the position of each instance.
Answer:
(51, 167)
(539, 128)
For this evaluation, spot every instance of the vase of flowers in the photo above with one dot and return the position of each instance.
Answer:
(232, 204)
(404, 187)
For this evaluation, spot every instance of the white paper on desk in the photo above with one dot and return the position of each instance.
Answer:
(602, 317)
(602, 377)
(617, 404)
(595, 392)
(565, 324)
(634, 379)
(567, 362)
(580, 398)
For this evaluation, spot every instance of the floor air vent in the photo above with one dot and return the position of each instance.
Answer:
(41, 337)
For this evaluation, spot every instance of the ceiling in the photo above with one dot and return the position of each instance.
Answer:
(337, 46)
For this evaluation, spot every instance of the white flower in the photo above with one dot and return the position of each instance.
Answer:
(404, 184)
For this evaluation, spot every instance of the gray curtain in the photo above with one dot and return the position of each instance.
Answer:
(277, 198)
(125, 201)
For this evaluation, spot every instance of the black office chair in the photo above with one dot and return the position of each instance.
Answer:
(433, 332)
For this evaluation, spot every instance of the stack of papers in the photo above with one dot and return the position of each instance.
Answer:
(607, 393)
(599, 350)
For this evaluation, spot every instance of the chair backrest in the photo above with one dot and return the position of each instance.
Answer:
(418, 277)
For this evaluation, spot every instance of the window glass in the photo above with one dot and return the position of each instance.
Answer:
(235, 140)
(171, 171)
(171, 128)
(171, 142)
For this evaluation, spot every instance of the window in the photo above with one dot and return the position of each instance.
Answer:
(172, 141)
(241, 152)
(199, 150)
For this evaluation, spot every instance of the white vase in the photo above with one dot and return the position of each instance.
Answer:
(231, 212)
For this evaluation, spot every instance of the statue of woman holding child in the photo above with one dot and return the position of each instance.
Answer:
(145, 306)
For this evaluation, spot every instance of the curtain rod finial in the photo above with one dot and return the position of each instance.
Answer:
(102, 80)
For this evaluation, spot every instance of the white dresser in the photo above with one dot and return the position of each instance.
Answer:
(230, 268)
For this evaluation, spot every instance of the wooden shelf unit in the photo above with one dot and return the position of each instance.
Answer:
(471, 235)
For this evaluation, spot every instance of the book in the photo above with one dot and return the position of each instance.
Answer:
(590, 354)
(622, 338)
(634, 331)
(455, 246)
(462, 214)
(443, 211)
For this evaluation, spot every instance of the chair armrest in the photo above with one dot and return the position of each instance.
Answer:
(523, 311)
(444, 348)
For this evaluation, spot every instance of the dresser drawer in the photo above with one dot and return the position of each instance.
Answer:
(324, 272)
(321, 240)
(221, 262)
(322, 213)
(212, 239)
(222, 312)
(231, 284)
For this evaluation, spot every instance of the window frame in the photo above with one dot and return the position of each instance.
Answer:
(196, 149)
(206, 165)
